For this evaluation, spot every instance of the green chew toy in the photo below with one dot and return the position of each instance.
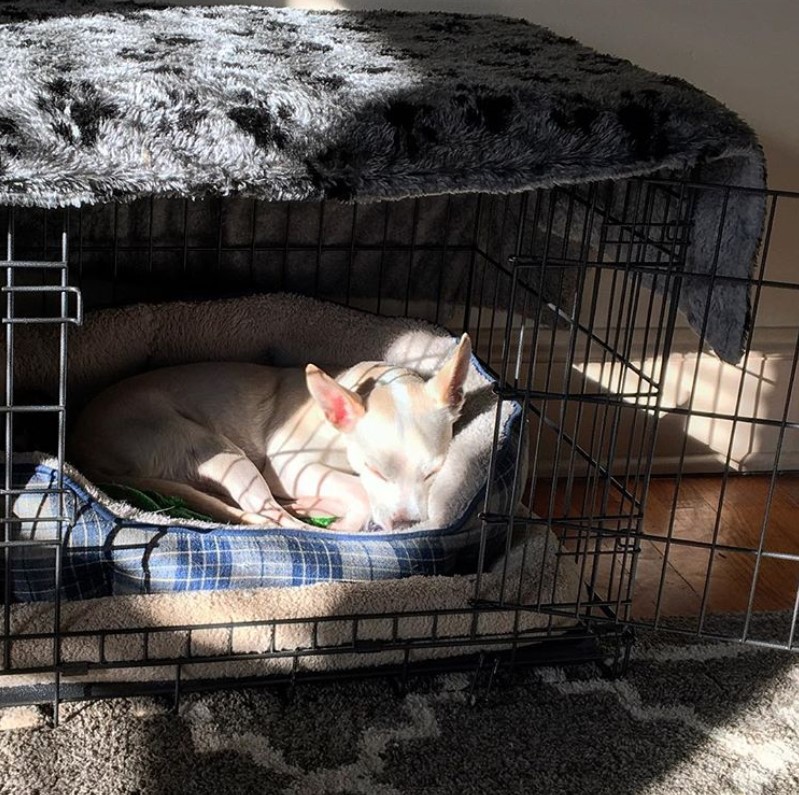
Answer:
(153, 502)
(319, 521)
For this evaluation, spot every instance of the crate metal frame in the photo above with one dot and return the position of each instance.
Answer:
(535, 269)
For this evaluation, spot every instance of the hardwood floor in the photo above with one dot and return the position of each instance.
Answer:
(698, 544)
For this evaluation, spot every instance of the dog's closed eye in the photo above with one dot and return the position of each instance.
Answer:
(376, 472)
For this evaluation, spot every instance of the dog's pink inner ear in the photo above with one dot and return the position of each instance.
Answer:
(339, 412)
(342, 408)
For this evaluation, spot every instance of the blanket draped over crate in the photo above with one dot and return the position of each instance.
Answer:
(113, 101)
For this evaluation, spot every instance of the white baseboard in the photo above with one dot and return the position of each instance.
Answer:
(758, 388)
(697, 464)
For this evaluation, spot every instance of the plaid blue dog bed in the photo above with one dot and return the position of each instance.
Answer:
(103, 553)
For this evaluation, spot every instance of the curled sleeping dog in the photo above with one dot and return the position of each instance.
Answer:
(259, 445)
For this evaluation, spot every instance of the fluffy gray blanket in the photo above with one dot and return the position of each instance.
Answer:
(109, 101)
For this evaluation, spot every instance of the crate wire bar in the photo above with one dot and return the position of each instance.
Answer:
(54, 285)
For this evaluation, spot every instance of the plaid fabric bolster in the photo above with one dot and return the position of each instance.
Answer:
(103, 554)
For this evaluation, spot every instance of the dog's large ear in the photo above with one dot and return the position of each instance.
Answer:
(342, 407)
(446, 386)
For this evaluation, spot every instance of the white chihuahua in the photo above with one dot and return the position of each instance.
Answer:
(254, 445)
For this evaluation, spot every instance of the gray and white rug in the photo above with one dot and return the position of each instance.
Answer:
(690, 717)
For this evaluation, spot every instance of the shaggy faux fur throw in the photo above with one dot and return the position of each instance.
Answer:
(289, 104)
(109, 101)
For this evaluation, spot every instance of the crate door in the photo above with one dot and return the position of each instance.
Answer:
(38, 308)
(575, 314)
(719, 547)
(662, 476)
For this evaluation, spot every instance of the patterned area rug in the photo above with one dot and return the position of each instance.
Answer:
(690, 717)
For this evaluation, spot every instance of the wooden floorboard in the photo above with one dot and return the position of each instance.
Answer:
(701, 538)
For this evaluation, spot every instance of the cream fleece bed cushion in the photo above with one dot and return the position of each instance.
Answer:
(535, 574)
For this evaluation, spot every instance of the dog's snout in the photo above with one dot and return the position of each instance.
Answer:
(400, 510)
(407, 515)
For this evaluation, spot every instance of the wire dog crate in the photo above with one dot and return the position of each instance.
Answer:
(571, 298)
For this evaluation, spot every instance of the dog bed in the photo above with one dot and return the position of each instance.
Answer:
(278, 631)
(112, 548)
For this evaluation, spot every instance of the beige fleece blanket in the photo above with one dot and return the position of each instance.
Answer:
(144, 628)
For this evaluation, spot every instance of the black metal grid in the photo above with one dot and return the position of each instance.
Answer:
(726, 562)
(536, 278)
